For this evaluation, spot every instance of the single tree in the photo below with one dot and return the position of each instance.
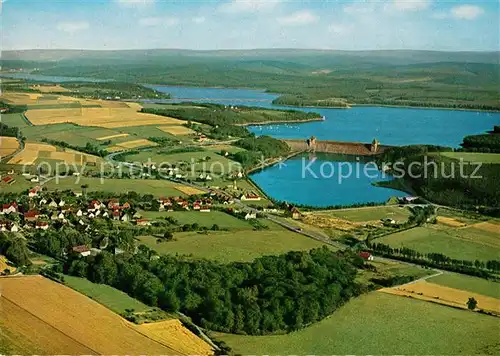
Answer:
(472, 303)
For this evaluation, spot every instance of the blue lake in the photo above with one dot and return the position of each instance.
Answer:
(324, 180)
(391, 126)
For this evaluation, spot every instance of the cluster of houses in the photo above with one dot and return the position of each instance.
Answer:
(201, 205)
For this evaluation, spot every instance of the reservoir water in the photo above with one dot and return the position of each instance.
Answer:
(391, 126)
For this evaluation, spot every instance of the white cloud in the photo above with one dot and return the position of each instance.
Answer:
(158, 21)
(467, 12)
(74, 26)
(358, 8)
(339, 28)
(235, 6)
(134, 2)
(199, 19)
(411, 5)
(298, 18)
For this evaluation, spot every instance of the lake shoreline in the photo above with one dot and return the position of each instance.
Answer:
(281, 122)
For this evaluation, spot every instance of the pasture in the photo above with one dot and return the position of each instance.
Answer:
(459, 243)
(232, 246)
(50, 88)
(474, 157)
(468, 283)
(108, 296)
(59, 320)
(141, 186)
(206, 219)
(436, 293)
(379, 323)
(368, 214)
(194, 162)
(14, 120)
(8, 145)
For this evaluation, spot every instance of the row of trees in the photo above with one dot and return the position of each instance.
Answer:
(270, 294)
(482, 143)
(89, 148)
(437, 260)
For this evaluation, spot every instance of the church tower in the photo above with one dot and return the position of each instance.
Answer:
(374, 147)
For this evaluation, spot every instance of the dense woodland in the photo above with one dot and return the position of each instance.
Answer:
(270, 294)
(443, 180)
(9, 131)
(221, 115)
(114, 89)
(259, 148)
(488, 143)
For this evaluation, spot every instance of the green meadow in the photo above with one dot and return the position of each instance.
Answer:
(379, 323)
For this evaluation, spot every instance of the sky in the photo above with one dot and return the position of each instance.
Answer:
(454, 25)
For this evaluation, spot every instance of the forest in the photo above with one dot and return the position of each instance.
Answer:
(271, 294)
(259, 148)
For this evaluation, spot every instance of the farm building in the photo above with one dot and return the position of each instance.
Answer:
(366, 256)
(82, 250)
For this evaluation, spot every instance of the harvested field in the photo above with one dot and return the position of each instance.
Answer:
(114, 149)
(102, 117)
(177, 130)
(188, 190)
(444, 295)
(488, 226)
(8, 145)
(34, 151)
(30, 153)
(112, 136)
(329, 222)
(39, 99)
(50, 88)
(136, 143)
(3, 264)
(71, 323)
(172, 332)
(135, 106)
(450, 221)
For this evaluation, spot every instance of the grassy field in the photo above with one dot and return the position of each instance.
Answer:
(108, 296)
(233, 246)
(449, 241)
(206, 219)
(202, 161)
(14, 120)
(370, 213)
(379, 323)
(468, 283)
(474, 157)
(142, 186)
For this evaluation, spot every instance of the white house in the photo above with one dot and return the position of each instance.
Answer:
(14, 228)
(82, 250)
(53, 204)
(60, 216)
(250, 197)
(62, 203)
(42, 225)
(79, 213)
(42, 201)
(250, 216)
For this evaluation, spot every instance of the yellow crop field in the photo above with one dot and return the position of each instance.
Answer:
(444, 295)
(172, 332)
(112, 136)
(4, 265)
(488, 226)
(136, 143)
(177, 130)
(38, 99)
(62, 321)
(114, 149)
(30, 153)
(188, 190)
(450, 221)
(8, 145)
(50, 88)
(102, 117)
(135, 106)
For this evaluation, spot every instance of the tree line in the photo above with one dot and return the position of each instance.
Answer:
(437, 260)
(271, 294)
(88, 148)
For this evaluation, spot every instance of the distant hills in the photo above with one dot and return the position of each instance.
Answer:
(467, 80)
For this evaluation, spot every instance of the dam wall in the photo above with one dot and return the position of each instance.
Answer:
(348, 148)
